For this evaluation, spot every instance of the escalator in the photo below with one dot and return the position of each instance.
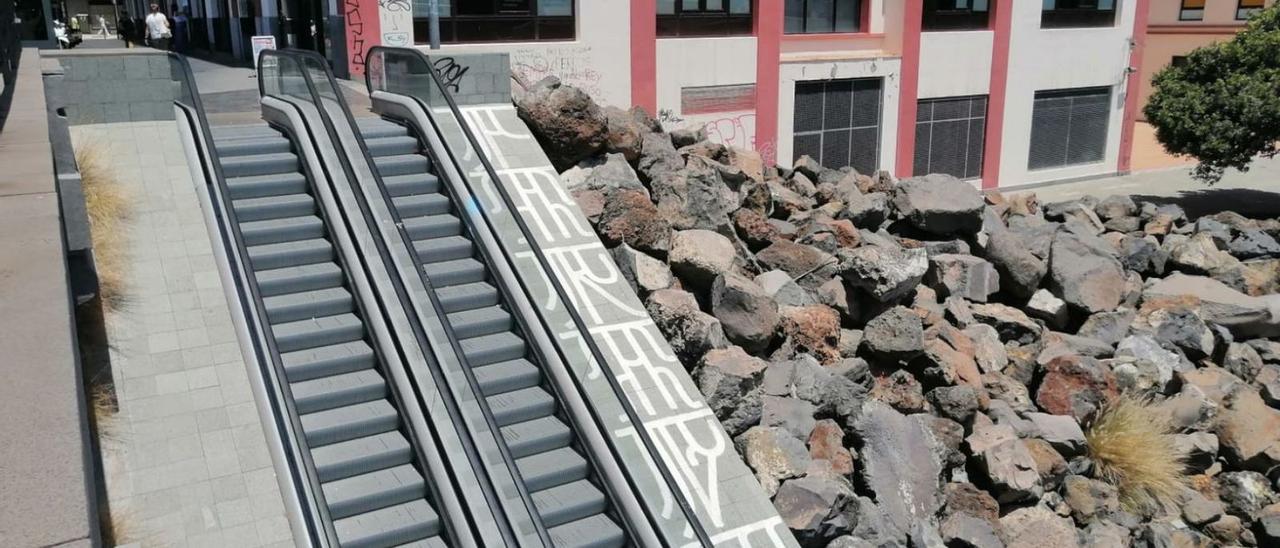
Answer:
(563, 485)
(360, 451)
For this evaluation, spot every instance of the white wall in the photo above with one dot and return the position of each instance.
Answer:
(1044, 59)
(887, 68)
(955, 63)
(598, 60)
(697, 62)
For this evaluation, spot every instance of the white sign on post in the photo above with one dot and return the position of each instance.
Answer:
(260, 43)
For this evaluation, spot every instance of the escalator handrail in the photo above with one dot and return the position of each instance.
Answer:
(266, 354)
(299, 57)
(584, 331)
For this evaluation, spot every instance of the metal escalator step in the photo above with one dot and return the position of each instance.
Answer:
(448, 248)
(569, 502)
(254, 145)
(288, 229)
(251, 131)
(259, 164)
(298, 278)
(535, 436)
(273, 256)
(596, 531)
(338, 390)
(507, 376)
(350, 422)
(552, 468)
(259, 186)
(313, 332)
(432, 226)
(377, 489)
(412, 183)
(274, 207)
(391, 526)
(488, 349)
(467, 296)
(480, 321)
(373, 128)
(308, 304)
(361, 456)
(418, 205)
(313, 363)
(402, 164)
(457, 272)
(391, 145)
(521, 405)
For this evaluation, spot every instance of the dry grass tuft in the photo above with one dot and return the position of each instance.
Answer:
(1132, 445)
(102, 413)
(107, 205)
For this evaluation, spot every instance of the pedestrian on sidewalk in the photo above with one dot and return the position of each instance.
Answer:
(102, 26)
(124, 29)
(158, 33)
(180, 27)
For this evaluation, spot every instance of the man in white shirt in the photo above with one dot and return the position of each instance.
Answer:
(158, 29)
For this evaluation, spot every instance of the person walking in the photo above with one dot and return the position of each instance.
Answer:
(158, 33)
(124, 29)
(102, 26)
(180, 27)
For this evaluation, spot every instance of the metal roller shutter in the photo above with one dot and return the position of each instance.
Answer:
(1069, 127)
(837, 122)
(949, 136)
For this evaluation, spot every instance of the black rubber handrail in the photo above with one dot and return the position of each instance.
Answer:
(694, 523)
(300, 58)
(266, 354)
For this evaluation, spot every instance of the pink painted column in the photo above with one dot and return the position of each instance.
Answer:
(644, 55)
(768, 30)
(363, 31)
(1132, 85)
(912, 13)
(1002, 14)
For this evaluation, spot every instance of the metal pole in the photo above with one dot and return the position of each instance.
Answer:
(433, 26)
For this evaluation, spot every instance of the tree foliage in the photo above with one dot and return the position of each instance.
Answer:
(1222, 106)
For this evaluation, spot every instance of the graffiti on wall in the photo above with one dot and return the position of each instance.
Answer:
(573, 65)
(451, 72)
(362, 31)
(737, 130)
(396, 17)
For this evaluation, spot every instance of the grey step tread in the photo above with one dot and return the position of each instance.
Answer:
(521, 405)
(448, 248)
(457, 298)
(411, 183)
(321, 361)
(259, 164)
(569, 502)
(287, 229)
(254, 145)
(480, 321)
(594, 531)
(301, 252)
(374, 128)
(391, 526)
(237, 132)
(361, 456)
(507, 376)
(378, 489)
(552, 468)
(432, 226)
(274, 184)
(457, 272)
(392, 145)
(339, 390)
(350, 422)
(313, 332)
(535, 436)
(298, 278)
(494, 348)
(416, 205)
(308, 304)
(401, 164)
(274, 207)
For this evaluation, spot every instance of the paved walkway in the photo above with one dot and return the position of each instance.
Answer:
(189, 465)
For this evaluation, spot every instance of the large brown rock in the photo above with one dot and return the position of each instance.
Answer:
(567, 123)
(796, 259)
(749, 316)
(629, 217)
(887, 273)
(625, 130)
(690, 331)
(826, 442)
(728, 378)
(900, 463)
(1085, 272)
(774, 454)
(698, 256)
(1249, 431)
(814, 329)
(939, 204)
(1038, 527)
(1075, 385)
(695, 197)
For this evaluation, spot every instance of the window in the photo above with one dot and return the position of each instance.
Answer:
(837, 122)
(1069, 127)
(1178, 60)
(704, 17)
(949, 136)
(1192, 10)
(1247, 8)
(956, 14)
(818, 16)
(497, 20)
(1077, 13)
(713, 99)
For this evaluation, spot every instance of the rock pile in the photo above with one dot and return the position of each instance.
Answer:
(914, 362)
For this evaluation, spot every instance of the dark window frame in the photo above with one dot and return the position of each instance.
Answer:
(853, 124)
(1190, 13)
(935, 19)
(1244, 13)
(499, 27)
(977, 114)
(1067, 151)
(860, 7)
(704, 22)
(1076, 15)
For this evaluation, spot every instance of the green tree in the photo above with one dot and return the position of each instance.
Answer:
(1222, 106)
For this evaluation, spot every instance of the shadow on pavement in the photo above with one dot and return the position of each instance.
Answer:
(1251, 203)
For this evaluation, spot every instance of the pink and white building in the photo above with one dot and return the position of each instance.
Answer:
(1000, 92)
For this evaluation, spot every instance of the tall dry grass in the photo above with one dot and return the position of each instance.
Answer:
(107, 205)
(1132, 446)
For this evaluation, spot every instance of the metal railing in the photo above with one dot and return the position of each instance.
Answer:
(427, 88)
